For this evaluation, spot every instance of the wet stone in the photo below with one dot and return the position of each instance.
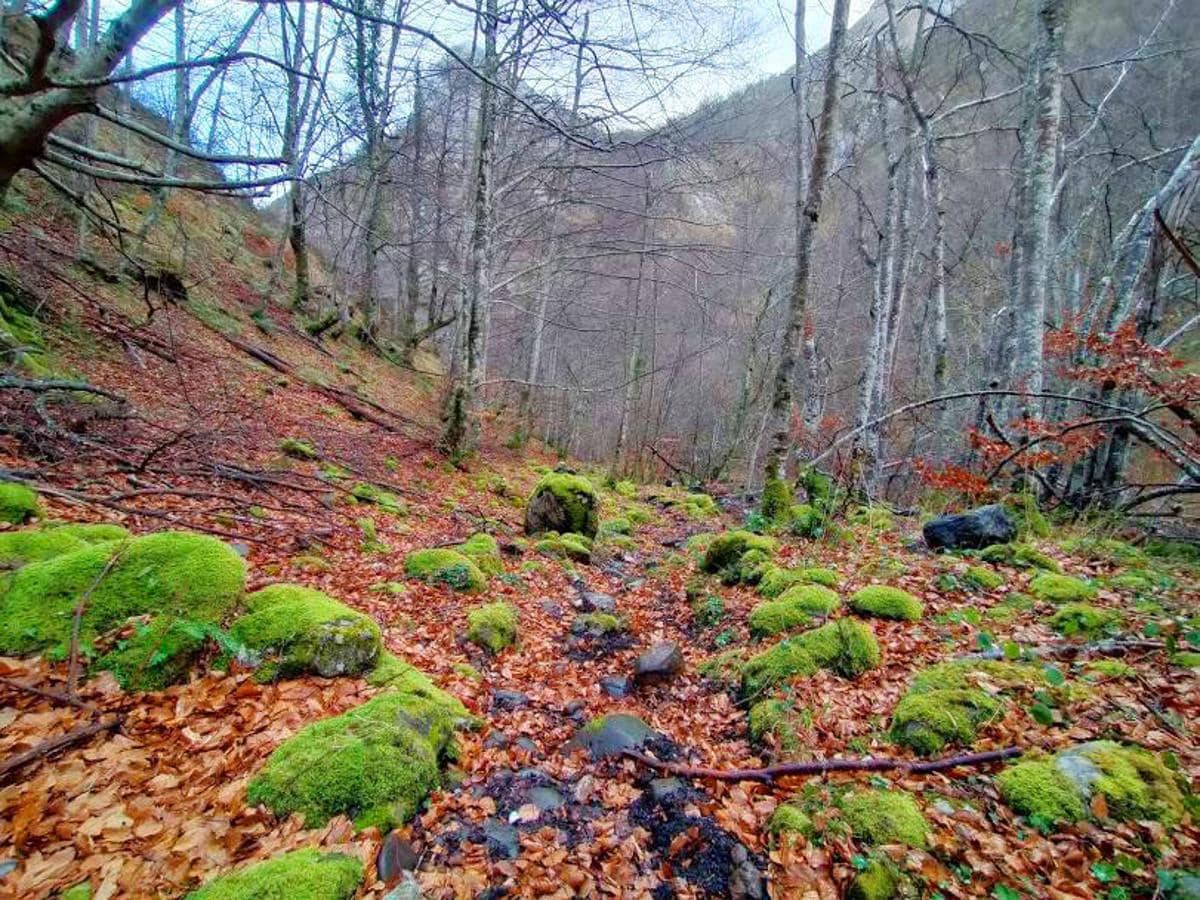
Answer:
(396, 856)
(501, 839)
(576, 709)
(616, 686)
(594, 601)
(524, 743)
(660, 663)
(552, 609)
(546, 798)
(497, 740)
(664, 789)
(614, 734)
(509, 700)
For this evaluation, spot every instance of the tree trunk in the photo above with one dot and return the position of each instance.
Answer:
(808, 212)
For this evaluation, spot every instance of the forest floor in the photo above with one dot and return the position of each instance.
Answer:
(158, 805)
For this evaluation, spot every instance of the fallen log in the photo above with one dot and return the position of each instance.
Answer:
(824, 766)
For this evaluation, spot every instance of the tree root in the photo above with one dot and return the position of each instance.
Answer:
(822, 766)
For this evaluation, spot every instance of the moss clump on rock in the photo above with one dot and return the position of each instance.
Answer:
(699, 506)
(298, 448)
(1084, 620)
(887, 603)
(983, 578)
(844, 646)
(1019, 556)
(877, 518)
(876, 882)
(1106, 550)
(1136, 582)
(929, 721)
(781, 663)
(992, 676)
(774, 718)
(493, 626)
(300, 875)
(1036, 788)
(158, 654)
(566, 546)
(563, 502)
(885, 817)
(393, 672)
(18, 504)
(807, 521)
(35, 545)
(445, 566)
(776, 580)
(790, 819)
(776, 500)
(482, 550)
(1061, 588)
(738, 556)
(365, 492)
(291, 630)
(598, 624)
(171, 573)
(619, 525)
(813, 599)
(375, 763)
(776, 616)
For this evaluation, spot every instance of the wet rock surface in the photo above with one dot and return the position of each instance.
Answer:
(659, 664)
(971, 530)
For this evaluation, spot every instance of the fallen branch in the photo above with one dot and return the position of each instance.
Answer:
(1112, 647)
(823, 766)
(54, 745)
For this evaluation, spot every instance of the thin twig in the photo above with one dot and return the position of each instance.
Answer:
(77, 621)
(54, 745)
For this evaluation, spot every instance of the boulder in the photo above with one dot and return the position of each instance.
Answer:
(971, 530)
(660, 663)
(612, 734)
(563, 503)
(396, 856)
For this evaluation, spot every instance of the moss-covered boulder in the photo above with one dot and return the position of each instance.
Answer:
(483, 550)
(1106, 550)
(29, 545)
(845, 647)
(699, 506)
(375, 763)
(598, 624)
(776, 580)
(885, 817)
(992, 676)
(18, 504)
(171, 573)
(775, 617)
(983, 578)
(445, 566)
(157, 653)
(806, 521)
(493, 626)
(774, 720)
(878, 881)
(790, 819)
(1019, 556)
(886, 602)
(393, 672)
(292, 630)
(563, 502)
(814, 599)
(738, 556)
(365, 492)
(930, 721)
(298, 448)
(1134, 784)
(1061, 588)
(779, 664)
(571, 546)
(304, 874)
(1084, 620)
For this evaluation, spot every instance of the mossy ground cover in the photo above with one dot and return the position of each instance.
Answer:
(442, 565)
(301, 875)
(887, 603)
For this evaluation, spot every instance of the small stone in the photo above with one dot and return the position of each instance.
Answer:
(594, 601)
(509, 700)
(660, 663)
(552, 609)
(501, 839)
(613, 734)
(407, 889)
(241, 548)
(524, 743)
(497, 740)
(616, 686)
(575, 709)
(546, 798)
(396, 856)
(663, 789)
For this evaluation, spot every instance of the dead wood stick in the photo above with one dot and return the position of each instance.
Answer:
(49, 747)
(77, 619)
(48, 693)
(1112, 647)
(822, 766)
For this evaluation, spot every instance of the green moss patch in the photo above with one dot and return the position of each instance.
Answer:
(887, 603)
(565, 546)
(482, 550)
(393, 672)
(171, 573)
(365, 492)
(699, 506)
(1019, 556)
(774, 719)
(983, 578)
(885, 817)
(493, 626)
(157, 654)
(564, 503)
(806, 521)
(445, 566)
(1084, 620)
(1106, 550)
(1061, 588)
(993, 676)
(18, 504)
(929, 721)
(790, 819)
(35, 545)
(598, 624)
(782, 663)
(298, 448)
(813, 599)
(300, 875)
(1037, 789)
(375, 763)
(775, 617)
(738, 556)
(843, 646)
(291, 630)
(877, 518)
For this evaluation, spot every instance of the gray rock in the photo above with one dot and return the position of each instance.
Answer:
(552, 609)
(616, 686)
(497, 740)
(663, 789)
(660, 663)
(546, 798)
(1080, 771)
(7, 866)
(970, 530)
(509, 699)
(745, 881)
(501, 839)
(578, 512)
(526, 744)
(575, 709)
(396, 856)
(613, 734)
(241, 548)
(594, 601)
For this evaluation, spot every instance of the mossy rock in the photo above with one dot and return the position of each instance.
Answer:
(983, 578)
(445, 566)
(483, 550)
(375, 763)
(1134, 783)
(393, 672)
(992, 676)
(773, 718)
(298, 448)
(776, 616)
(1136, 582)
(1084, 620)
(304, 874)
(18, 504)
(844, 646)
(1029, 519)
(929, 721)
(699, 506)
(563, 503)
(790, 819)
(813, 599)
(738, 556)
(598, 624)
(158, 654)
(292, 630)
(172, 573)
(1061, 588)
(775, 580)
(877, 518)
(886, 602)
(619, 525)
(877, 881)
(1019, 556)
(781, 663)
(1106, 550)
(365, 492)
(626, 489)
(565, 546)
(879, 817)
(493, 626)
(30, 545)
